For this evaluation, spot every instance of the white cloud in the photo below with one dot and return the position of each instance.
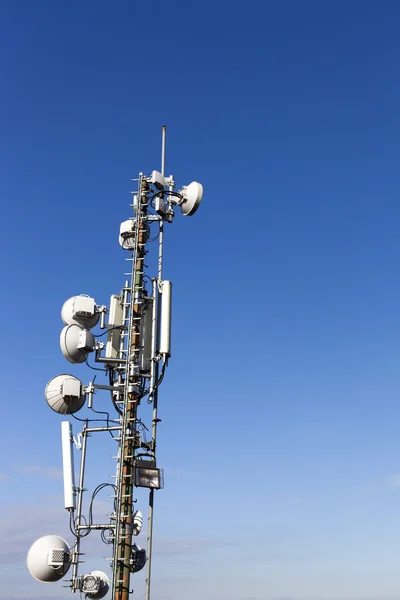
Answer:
(395, 480)
(40, 471)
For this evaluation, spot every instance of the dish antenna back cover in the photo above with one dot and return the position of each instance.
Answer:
(80, 310)
(48, 559)
(71, 343)
(192, 195)
(64, 394)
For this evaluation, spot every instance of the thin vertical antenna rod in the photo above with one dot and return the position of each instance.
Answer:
(163, 148)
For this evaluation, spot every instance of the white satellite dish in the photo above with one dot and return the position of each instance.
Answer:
(64, 394)
(48, 559)
(76, 343)
(191, 197)
(80, 310)
(95, 585)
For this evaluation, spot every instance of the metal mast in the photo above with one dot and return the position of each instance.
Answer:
(154, 387)
(129, 440)
(138, 343)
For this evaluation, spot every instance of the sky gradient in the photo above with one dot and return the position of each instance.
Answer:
(280, 408)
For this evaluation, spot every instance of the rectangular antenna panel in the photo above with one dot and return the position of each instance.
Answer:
(115, 319)
(159, 207)
(158, 180)
(165, 334)
(146, 337)
(68, 465)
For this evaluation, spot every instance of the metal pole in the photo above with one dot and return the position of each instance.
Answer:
(155, 375)
(80, 499)
(153, 392)
(123, 541)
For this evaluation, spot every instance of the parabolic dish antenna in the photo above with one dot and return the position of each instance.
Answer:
(127, 234)
(138, 558)
(64, 394)
(80, 310)
(76, 343)
(48, 558)
(96, 585)
(192, 195)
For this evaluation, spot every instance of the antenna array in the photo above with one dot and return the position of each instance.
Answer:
(134, 357)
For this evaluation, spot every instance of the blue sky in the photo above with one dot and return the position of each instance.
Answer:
(280, 408)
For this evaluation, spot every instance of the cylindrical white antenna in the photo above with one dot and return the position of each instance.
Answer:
(165, 333)
(68, 465)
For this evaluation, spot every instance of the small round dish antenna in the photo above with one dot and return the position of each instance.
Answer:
(95, 585)
(48, 559)
(191, 197)
(64, 394)
(76, 343)
(80, 310)
(138, 560)
(127, 234)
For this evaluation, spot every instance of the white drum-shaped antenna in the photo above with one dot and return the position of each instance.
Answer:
(127, 232)
(137, 522)
(192, 195)
(64, 394)
(91, 587)
(48, 559)
(76, 343)
(80, 310)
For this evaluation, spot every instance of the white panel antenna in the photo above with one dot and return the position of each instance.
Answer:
(115, 320)
(165, 336)
(68, 465)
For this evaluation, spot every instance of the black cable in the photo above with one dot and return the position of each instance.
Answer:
(161, 192)
(71, 529)
(85, 532)
(81, 532)
(106, 540)
(160, 379)
(88, 420)
(103, 412)
(95, 368)
(110, 329)
(99, 488)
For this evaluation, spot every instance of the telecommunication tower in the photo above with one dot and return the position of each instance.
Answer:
(134, 357)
